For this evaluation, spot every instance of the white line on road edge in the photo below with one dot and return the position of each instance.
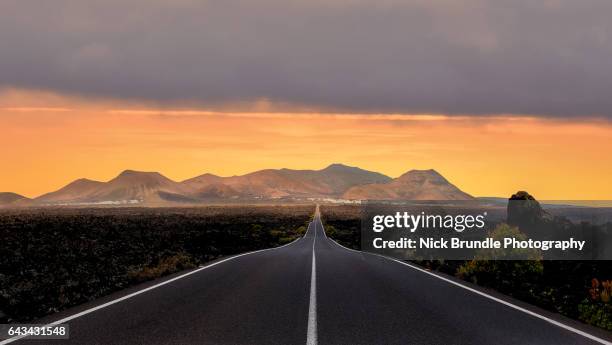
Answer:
(506, 303)
(101, 306)
(311, 336)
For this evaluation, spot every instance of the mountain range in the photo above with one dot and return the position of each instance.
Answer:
(336, 181)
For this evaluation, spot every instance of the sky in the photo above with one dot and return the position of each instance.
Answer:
(496, 95)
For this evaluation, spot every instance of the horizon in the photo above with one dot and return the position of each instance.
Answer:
(128, 170)
(496, 107)
(485, 156)
(124, 171)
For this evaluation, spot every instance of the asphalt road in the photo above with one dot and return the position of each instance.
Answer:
(285, 296)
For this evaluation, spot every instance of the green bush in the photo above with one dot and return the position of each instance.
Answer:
(165, 266)
(596, 314)
(597, 308)
(511, 277)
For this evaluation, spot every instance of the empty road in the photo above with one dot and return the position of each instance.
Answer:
(312, 291)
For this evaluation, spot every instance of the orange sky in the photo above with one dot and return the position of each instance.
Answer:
(48, 140)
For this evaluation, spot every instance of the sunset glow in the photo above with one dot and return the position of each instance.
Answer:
(50, 140)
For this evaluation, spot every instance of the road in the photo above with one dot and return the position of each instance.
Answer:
(312, 291)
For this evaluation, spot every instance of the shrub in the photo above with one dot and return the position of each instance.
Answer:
(165, 266)
(512, 277)
(597, 308)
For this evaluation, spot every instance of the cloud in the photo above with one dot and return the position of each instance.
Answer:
(546, 58)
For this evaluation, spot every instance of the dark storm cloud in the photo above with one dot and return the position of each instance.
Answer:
(529, 57)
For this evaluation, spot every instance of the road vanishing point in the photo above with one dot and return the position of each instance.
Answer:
(311, 291)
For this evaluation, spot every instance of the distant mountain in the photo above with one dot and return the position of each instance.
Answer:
(336, 181)
(413, 185)
(331, 181)
(12, 199)
(201, 181)
(75, 191)
(128, 187)
(341, 177)
(138, 185)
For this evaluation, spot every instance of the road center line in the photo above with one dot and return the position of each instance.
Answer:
(311, 337)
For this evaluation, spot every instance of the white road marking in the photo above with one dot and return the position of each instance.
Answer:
(506, 303)
(91, 310)
(311, 336)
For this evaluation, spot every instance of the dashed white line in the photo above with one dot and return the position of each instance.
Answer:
(311, 336)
